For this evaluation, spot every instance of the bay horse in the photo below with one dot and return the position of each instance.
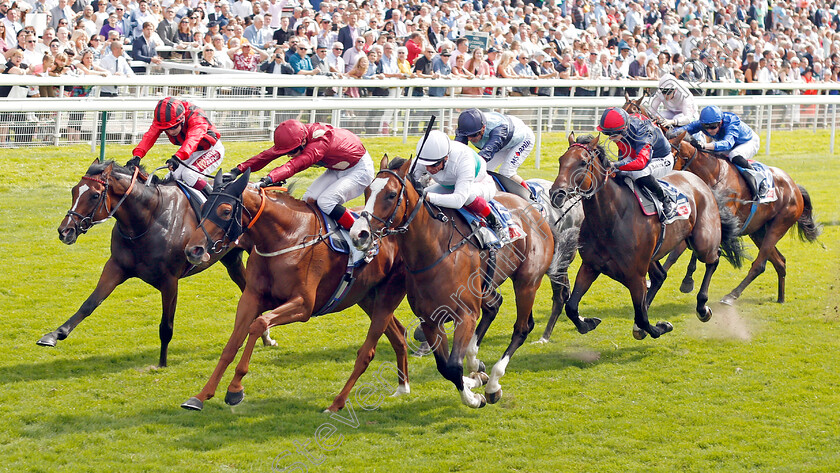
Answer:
(765, 223)
(154, 223)
(291, 275)
(449, 278)
(618, 240)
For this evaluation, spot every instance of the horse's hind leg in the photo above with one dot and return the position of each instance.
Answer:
(687, 284)
(657, 277)
(642, 326)
(232, 262)
(559, 295)
(524, 324)
(765, 239)
(451, 365)
(704, 312)
(111, 277)
(490, 306)
(780, 265)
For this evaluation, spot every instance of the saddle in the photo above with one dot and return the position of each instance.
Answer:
(506, 184)
(650, 205)
(510, 232)
(340, 242)
(758, 174)
(195, 198)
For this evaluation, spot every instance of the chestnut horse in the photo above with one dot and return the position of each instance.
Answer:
(765, 223)
(291, 274)
(450, 278)
(618, 240)
(154, 223)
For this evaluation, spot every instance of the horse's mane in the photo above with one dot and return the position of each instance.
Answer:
(599, 149)
(100, 166)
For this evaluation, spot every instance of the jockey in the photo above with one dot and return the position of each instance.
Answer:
(733, 138)
(186, 125)
(644, 152)
(349, 166)
(679, 103)
(501, 139)
(460, 176)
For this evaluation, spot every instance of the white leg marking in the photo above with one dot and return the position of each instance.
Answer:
(401, 389)
(472, 354)
(496, 374)
(470, 398)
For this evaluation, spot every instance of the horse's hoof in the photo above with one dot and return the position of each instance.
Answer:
(232, 398)
(687, 286)
(481, 367)
(638, 333)
(481, 377)
(541, 341)
(706, 316)
(493, 398)
(728, 300)
(270, 343)
(665, 327)
(47, 340)
(482, 402)
(193, 404)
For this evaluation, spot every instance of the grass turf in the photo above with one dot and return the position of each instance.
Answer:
(754, 389)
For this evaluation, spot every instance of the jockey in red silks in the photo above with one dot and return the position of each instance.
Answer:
(186, 125)
(349, 166)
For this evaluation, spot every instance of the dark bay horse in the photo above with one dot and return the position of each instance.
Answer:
(449, 278)
(766, 223)
(618, 240)
(291, 274)
(154, 223)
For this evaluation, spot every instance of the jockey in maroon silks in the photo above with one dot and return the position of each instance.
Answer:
(186, 125)
(349, 166)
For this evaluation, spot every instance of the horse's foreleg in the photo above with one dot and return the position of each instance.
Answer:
(462, 339)
(111, 277)
(525, 296)
(559, 296)
(246, 311)
(169, 299)
(641, 326)
(583, 281)
(232, 262)
(490, 306)
(780, 265)
(291, 311)
(396, 335)
(687, 284)
(704, 312)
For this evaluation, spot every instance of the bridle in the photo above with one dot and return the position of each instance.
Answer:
(588, 171)
(233, 226)
(386, 229)
(677, 151)
(83, 223)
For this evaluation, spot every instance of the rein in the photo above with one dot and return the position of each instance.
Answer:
(589, 171)
(83, 223)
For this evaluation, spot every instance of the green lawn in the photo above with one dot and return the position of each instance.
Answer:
(754, 389)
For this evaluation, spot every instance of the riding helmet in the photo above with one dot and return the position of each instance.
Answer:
(470, 122)
(613, 121)
(711, 114)
(288, 136)
(169, 113)
(434, 148)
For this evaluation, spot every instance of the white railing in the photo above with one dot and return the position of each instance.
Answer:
(244, 106)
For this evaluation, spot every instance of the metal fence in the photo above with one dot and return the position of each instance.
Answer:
(247, 107)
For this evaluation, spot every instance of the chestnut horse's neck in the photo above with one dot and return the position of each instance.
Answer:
(704, 165)
(422, 243)
(284, 220)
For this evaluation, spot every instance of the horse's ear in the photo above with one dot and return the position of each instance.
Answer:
(594, 143)
(108, 169)
(681, 136)
(237, 186)
(95, 161)
(217, 181)
(571, 138)
(405, 167)
(384, 163)
(627, 97)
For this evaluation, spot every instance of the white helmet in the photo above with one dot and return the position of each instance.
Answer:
(436, 147)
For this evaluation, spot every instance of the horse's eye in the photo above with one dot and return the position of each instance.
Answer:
(95, 196)
(391, 195)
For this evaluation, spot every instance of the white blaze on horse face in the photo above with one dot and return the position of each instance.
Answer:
(375, 188)
(82, 189)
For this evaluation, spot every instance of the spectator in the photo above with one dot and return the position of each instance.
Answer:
(414, 46)
(441, 69)
(402, 61)
(168, 27)
(255, 33)
(335, 62)
(143, 49)
(113, 24)
(357, 72)
(523, 70)
(277, 65)
(31, 55)
(505, 69)
(208, 58)
(61, 11)
(424, 69)
(116, 64)
(246, 57)
(302, 65)
(137, 20)
(221, 53)
(354, 53)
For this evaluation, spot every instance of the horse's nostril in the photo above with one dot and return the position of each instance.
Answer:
(364, 235)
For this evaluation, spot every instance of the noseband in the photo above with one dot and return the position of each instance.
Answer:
(232, 227)
(83, 223)
(589, 170)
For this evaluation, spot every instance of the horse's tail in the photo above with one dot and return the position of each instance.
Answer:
(732, 249)
(565, 248)
(808, 228)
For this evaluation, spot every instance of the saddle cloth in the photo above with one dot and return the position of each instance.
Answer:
(651, 205)
(510, 232)
(340, 242)
(766, 177)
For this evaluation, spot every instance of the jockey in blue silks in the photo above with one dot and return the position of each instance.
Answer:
(501, 140)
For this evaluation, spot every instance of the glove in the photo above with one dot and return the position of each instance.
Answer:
(265, 182)
(133, 162)
(173, 163)
(230, 175)
(709, 146)
(667, 123)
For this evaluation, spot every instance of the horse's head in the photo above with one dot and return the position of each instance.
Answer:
(582, 168)
(92, 199)
(221, 219)
(684, 151)
(635, 106)
(385, 198)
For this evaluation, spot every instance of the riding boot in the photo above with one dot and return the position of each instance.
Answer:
(655, 188)
(494, 223)
(343, 216)
(750, 175)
